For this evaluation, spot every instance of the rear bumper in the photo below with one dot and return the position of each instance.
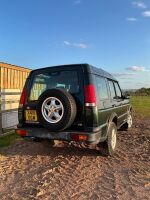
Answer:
(92, 137)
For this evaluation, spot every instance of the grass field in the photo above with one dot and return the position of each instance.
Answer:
(7, 140)
(141, 105)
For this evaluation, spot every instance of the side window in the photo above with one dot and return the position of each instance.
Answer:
(112, 89)
(118, 91)
(102, 88)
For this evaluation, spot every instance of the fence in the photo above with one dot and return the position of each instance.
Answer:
(12, 80)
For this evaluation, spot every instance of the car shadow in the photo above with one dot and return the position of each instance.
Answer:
(30, 148)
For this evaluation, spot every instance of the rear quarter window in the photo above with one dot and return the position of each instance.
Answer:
(118, 91)
(102, 89)
(112, 89)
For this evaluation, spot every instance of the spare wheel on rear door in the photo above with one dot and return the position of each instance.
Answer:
(56, 109)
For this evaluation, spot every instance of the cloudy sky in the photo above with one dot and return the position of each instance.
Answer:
(111, 34)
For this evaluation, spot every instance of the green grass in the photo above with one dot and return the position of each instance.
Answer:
(8, 139)
(141, 105)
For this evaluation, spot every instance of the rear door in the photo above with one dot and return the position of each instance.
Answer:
(67, 78)
(118, 104)
(103, 101)
(123, 103)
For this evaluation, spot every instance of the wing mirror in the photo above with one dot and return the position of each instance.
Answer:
(126, 96)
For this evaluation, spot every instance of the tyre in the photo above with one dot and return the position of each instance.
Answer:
(128, 124)
(48, 143)
(37, 139)
(108, 147)
(56, 109)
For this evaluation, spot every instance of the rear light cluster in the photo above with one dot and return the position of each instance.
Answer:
(77, 137)
(89, 95)
(22, 133)
(22, 99)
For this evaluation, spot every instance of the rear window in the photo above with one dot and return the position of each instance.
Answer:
(67, 80)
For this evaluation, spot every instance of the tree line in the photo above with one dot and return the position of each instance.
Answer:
(139, 92)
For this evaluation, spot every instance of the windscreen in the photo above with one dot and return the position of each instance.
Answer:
(67, 80)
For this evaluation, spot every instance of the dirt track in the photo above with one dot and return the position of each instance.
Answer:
(31, 170)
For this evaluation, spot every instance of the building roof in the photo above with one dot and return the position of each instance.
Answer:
(10, 66)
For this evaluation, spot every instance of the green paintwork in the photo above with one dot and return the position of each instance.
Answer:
(90, 119)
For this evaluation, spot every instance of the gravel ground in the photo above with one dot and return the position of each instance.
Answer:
(30, 170)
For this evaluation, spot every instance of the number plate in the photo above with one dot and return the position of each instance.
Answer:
(31, 115)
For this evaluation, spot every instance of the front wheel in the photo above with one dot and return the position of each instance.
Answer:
(128, 124)
(129, 120)
(108, 147)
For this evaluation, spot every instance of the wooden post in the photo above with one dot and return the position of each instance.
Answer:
(1, 130)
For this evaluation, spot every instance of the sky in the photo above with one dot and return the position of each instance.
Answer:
(110, 34)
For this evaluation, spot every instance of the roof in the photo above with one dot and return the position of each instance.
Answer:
(15, 67)
(87, 68)
(99, 71)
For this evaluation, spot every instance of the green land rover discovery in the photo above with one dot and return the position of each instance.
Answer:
(76, 102)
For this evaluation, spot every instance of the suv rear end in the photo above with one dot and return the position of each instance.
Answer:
(72, 79)
(74, 103)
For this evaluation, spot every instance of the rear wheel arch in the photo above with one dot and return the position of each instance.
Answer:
(113, 118)
(108, 147)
